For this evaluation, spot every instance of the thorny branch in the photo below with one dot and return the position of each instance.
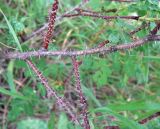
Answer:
(84, 13)
(80, 93)
(89, 14)
(52, 93)
(106, 50)
(101, 49)
(51, 22)
(40, 30)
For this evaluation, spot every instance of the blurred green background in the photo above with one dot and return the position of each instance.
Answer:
(122, 84)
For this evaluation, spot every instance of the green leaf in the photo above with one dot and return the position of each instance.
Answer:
(10, 77)
(135, 106)
(114, 37)
(18, 26)
(102, 72)
(63, 121)
(51, 122)
(32, 123)
(95, 4)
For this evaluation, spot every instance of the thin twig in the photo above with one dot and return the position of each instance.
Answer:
(110, 49)
(68, 78)
(101, 16)
(155, 30)
(83, 101)
(153, 116)
(52, 93)
(79, 10)
(139, 29)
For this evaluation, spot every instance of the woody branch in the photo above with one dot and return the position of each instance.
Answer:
(105, 50)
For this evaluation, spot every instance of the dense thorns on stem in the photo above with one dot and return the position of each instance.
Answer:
(105, 50)
(40, 30)
(52, 93)
(99, 49)
(68, 78)
(51, 23)
(83, 101)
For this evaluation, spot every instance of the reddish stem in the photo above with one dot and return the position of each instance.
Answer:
(138, 29)
(52, 93)
(87, 14)
(52, 18)
(79, 90)
(107, 50)
(157, 114)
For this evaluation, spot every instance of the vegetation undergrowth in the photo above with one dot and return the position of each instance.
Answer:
(114, 87)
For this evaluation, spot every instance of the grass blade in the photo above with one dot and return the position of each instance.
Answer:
(12, 31)
(15, 95)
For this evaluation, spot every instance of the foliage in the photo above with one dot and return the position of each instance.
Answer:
(122, 84)
(32, 124)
